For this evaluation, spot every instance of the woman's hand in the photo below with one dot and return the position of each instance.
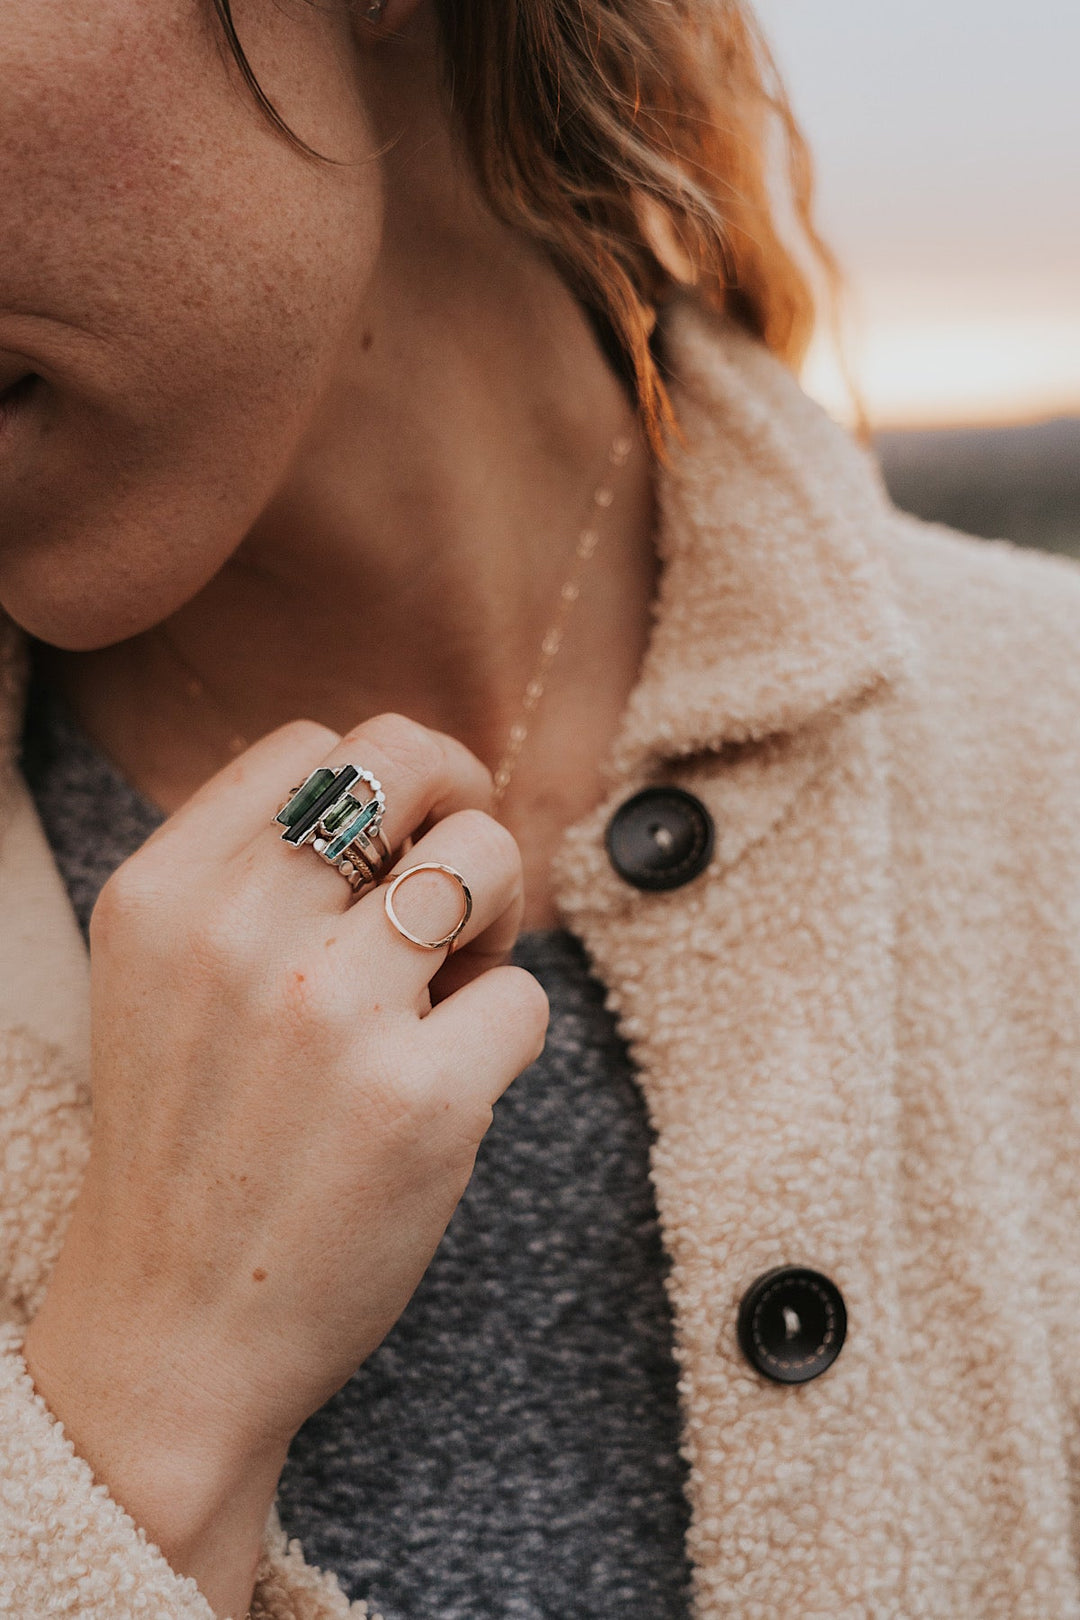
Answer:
(288, 1099)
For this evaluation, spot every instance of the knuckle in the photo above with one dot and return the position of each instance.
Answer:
(532, 1007)
(496, 839)
(506, 846)
(392, 1099)
(224, 939)
(466, 765)
(309, 735)
(412, 1102)
(434, 1101)
(406, 743)
(402, 1064)
(129, 891)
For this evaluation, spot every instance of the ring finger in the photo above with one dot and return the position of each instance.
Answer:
(433, 903)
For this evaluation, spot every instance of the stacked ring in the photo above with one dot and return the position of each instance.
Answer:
(343, 830)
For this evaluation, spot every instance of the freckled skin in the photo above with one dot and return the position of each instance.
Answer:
(179, 276)
(326, 430)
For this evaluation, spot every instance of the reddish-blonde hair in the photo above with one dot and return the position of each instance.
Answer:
(635, 140)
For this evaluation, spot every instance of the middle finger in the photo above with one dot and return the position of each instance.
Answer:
(425, 774)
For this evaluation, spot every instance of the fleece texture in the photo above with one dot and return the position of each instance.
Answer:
(511, 1447)
(857, 1034)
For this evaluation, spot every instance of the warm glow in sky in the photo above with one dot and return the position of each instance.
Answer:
(947, 139)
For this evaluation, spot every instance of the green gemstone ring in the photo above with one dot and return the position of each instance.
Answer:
(343, 830)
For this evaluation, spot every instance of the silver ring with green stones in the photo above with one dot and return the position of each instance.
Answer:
(343, 830)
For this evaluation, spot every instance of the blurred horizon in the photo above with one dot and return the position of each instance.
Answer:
(1018, 482)
(946, 143)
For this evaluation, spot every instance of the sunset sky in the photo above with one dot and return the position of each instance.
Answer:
(947, 138)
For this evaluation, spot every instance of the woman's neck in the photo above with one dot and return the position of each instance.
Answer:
(412, 554)
(412, 557)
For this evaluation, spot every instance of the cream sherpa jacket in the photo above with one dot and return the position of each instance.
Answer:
(857, 1031)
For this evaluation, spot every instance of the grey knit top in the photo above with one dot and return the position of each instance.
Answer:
(511, 1449)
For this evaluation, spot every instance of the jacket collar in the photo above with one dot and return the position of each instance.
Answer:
(774, 602)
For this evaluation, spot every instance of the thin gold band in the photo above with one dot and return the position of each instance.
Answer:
(428, 866)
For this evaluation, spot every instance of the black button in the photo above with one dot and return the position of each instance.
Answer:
(792, 1323)
(660, 839)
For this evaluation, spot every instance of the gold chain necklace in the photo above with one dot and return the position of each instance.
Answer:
(587, 541)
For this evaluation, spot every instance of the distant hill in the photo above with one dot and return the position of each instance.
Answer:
(1015, 483)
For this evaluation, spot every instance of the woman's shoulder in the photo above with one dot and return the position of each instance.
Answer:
(931, 555)
(968, 597)
(994, 671)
